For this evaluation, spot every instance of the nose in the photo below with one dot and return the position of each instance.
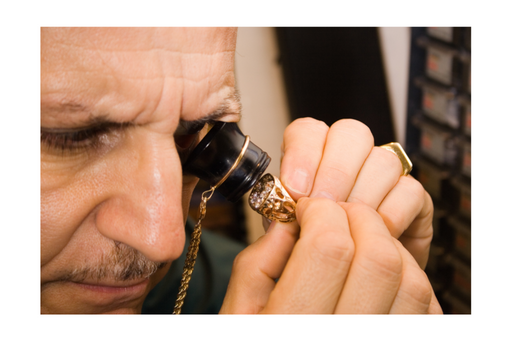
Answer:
(143, 207)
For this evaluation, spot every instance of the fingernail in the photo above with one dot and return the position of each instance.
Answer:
(299, 182)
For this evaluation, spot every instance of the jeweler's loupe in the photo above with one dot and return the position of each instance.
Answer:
(227, 160)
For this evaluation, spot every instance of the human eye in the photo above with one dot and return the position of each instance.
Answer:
(68, 141)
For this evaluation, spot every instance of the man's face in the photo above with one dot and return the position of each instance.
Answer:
(113, 198)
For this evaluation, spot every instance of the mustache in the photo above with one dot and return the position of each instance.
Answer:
(122, 263)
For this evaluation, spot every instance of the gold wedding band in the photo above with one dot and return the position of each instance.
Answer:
(271, 200)
(397, 149)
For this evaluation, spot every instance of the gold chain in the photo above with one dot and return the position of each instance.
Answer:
(193, 248)
(195, 239)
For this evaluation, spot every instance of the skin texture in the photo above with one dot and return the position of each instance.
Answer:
(128, 190)
(113, 205)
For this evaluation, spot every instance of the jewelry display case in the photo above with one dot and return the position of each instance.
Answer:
(439, 142)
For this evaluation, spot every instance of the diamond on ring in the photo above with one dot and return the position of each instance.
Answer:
(269, 198)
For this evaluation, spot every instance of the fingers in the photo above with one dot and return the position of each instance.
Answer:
(316, 271)
(302, 149)
(384, 277)
(376, 271)
(379, 174)
(341, 163)
(415, 295)
(401, 206)
(416, 239)
(348, 144)
(407, 212)
(257, 267)
(345, 261)
(320, 161)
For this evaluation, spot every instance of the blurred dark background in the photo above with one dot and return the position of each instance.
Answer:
(333, 73)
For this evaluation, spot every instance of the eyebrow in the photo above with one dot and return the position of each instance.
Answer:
(231, 105)
(74, 107)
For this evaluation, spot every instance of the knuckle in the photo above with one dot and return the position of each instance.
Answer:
(332, 248)
(395, 220)
(428, 236)
(417, 288)
(416, 189)
(326, 243)
(387, 159)
(384, 260)
(355, 128)
(241, 260)
(358, 209)
(302, 142)
(308, 123)
(429, 205)
(356, 199)
(313, 206)
(335, 173)
(311, 120)
(423, 205)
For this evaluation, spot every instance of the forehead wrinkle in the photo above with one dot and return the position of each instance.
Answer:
(111, 55)
(168, 58)
(78, 113)
(216, 94)
(142, 51)
(175, 39)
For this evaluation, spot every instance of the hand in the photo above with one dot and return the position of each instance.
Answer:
(341, 163)
(345, 261)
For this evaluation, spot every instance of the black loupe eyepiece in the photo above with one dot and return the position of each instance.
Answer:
(214, 156)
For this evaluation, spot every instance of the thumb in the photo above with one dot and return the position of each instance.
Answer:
(256, 269)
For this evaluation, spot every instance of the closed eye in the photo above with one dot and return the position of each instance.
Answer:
(77, 140)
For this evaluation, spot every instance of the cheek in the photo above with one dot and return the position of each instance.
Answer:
(65, 202)
(53, 236)
(71, 187)
(67, 195)
(130, 195)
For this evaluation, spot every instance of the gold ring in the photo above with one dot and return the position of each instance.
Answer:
(397, 149)
(271, 200)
